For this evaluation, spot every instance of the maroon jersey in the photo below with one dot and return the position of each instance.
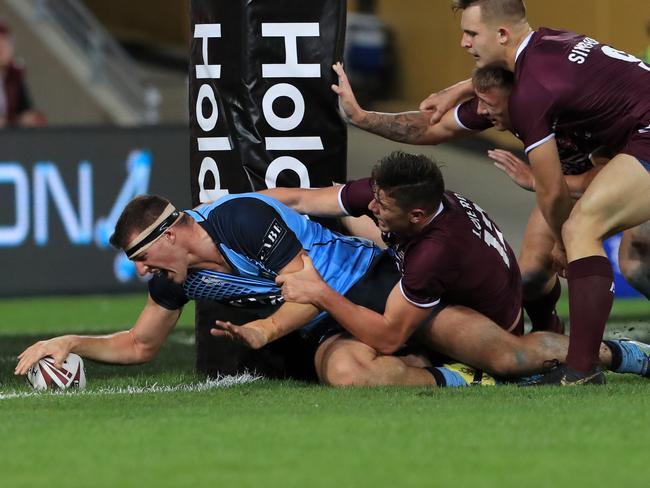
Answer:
(460, 257)
(574, 148)
(569, 82)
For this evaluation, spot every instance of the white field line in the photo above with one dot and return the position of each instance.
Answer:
(211, 384)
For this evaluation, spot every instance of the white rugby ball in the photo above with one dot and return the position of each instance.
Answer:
(44, 375)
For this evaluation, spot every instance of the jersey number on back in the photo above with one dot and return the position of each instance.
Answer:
(492, 236)
(623, 56)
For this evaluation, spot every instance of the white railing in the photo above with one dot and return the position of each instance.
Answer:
(109, 62)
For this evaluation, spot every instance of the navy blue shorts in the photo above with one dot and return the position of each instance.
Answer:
(645, 164)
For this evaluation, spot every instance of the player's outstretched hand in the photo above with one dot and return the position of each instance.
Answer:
(304, 286)
(247, 334)
(348, 105)
(58, 348)
(515, 168)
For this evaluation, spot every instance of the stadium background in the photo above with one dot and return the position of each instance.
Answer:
(116, 122)
(92, 81)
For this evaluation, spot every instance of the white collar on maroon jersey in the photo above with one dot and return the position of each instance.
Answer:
(438, 212)
(523, 45)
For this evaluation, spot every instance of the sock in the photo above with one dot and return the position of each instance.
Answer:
(627, 357)
(591, 294)
(446, 377)
(541, 311)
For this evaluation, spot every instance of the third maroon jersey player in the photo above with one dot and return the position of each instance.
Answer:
(568, 81)
(460, 258)
(574, 148)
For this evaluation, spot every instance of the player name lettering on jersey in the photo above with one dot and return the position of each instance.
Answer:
(581, 50)
(484, 228)
(473, 216)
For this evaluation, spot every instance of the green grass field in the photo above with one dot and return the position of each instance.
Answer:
(161, 425)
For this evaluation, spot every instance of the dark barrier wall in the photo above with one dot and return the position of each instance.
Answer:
(61, 191)
(262, 115)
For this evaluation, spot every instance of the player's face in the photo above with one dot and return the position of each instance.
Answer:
(479, 39)
(493, 104)
(163, 258)
(390, 217)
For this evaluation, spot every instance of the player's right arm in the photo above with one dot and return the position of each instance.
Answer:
(407, 127)
(551, 190)
(384, 332)
(137, 345)
(319, 202)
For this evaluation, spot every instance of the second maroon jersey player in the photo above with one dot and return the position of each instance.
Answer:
(460, 257)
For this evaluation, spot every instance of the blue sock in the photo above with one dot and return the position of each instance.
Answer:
(628, 357)
(447, 377)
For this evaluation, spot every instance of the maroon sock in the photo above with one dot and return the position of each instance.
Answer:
(591, 294)
(541, 311)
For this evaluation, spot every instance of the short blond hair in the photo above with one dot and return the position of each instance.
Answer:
(492, 76)
(495, 10)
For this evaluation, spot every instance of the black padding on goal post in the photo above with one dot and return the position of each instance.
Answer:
(262, 114)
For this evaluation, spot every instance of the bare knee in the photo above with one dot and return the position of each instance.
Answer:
(584, 224)
(571, 230)
(346, 370)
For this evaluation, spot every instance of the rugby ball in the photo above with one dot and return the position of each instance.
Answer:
(44, 375)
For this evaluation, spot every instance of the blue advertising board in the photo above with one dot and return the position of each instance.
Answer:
(61, 192)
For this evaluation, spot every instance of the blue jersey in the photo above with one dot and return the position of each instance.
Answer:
(258, 236)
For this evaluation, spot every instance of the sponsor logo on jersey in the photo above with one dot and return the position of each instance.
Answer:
(272, 238)
(209, 280)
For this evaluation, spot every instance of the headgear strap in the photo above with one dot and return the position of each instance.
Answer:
(151, 234)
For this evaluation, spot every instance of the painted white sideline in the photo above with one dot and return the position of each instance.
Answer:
(218, 382)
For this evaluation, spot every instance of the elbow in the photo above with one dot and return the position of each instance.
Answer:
(140, 352)
(391, 340)
(387, 350)
(145, 355)
(390, 345)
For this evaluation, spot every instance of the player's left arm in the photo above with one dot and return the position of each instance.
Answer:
(287, 318)
(551, 190)
(386, 333)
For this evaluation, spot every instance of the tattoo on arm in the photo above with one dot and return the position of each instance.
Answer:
(405, 127)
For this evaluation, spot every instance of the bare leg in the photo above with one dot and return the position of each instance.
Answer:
(541, 287)
(634, 257)
(618, 198)
(473, 339)
(344, 361)
(535, 262)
